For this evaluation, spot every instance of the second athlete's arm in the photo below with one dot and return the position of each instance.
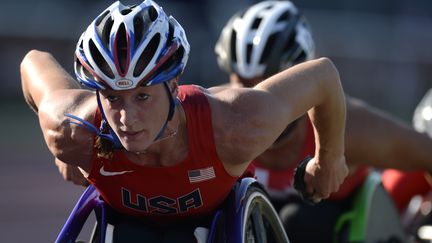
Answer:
(386, 141)
(257, 116)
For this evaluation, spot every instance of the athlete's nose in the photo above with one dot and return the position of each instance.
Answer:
(128, 117)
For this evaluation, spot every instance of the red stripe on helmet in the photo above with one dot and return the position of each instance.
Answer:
(163, 59)
(116, 55)
(88, 68)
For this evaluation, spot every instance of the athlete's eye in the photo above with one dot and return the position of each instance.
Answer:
(142, 96)
(112, 98)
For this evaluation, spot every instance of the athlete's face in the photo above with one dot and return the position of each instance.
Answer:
(136, 115)
(237, 81)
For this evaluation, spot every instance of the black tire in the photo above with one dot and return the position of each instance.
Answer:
(261, 223)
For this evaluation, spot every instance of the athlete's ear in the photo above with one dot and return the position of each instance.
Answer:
(173, 85)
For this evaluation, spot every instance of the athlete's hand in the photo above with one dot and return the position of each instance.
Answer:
(325, 176)
(71, 173)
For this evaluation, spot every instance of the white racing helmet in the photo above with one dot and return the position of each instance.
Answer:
(264, 39)
(422, 119)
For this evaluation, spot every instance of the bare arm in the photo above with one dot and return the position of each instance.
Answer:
(51, 92)
(220, 88)
(260, 114)
(40, 75)
(376, 138)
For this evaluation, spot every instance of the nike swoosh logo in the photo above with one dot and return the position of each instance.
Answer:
(113, 173)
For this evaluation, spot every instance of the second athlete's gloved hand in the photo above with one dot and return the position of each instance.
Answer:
(316, 178)
(299, 182)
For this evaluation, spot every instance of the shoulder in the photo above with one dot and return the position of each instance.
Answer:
(220, 88)
(62, 137)
(237, 123)
(190, 93)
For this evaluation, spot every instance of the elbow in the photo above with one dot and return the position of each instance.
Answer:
(326, 61)
(26, 65)
(25, 79)
(330, 77)
(31, 57)
(29, 75)
(328, 69)
(27, 59)
(28, 56)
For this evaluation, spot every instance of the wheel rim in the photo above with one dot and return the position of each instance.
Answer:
(262, 223)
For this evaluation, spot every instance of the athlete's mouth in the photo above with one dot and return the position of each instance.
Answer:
(129, 134)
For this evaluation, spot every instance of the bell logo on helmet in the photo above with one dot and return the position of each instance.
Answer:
(124, 83)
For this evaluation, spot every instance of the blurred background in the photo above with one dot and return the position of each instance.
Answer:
(381, 48)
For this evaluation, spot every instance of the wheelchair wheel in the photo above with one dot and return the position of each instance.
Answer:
(261, 222)
(373, 217)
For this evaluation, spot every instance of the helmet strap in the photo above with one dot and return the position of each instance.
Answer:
(111, 136)
(100, 132)
(173, 104)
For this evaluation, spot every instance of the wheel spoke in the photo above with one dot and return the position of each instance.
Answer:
(258, 223)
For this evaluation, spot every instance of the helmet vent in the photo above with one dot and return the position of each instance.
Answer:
(138, 30)
(78, 65)
(126, 11)
(83, 71)
(267, 48)
(284, 17)
(170, 64)
(249, 49)
(86, 72)
(103, 28)
(146, 55)
(268, 7)
(233, 46)
(101, 18)
(174, 59)
(300, 58)
(81, 43)
(98, 58)
(152, 13)
(122, 48)
(290, 43)
(256, 23)
(170, 34)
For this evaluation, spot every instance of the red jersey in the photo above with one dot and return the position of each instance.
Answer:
(279, 182)
(403, 186)
(194, 187)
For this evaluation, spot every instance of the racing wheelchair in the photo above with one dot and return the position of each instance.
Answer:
(246, 216)
(372, 218)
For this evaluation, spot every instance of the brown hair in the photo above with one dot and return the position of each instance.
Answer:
(104, 148)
